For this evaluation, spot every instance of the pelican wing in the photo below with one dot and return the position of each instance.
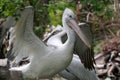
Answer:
(26, 42)
(5, 26)
(85, 53)
(76, 71)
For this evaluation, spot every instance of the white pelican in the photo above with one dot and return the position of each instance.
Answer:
(45, 61)
(76, 70)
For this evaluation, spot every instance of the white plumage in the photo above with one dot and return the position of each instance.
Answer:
(45, 61)
(76, 70)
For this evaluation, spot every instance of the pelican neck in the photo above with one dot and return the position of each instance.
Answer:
(70, 33)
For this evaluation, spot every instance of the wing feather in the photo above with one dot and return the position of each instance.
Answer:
(86, 54)
(26, 42)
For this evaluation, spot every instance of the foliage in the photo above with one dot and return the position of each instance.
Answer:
(56, 9)
(95, 5)
(9, 7)
(50, 13)
(102, 16)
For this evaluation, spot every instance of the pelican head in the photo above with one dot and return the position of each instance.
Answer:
(68, 14)
(70, 19)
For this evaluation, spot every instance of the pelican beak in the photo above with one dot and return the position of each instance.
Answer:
(73, 24)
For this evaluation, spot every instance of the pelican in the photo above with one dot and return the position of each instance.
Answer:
(45, 61)
(76, 70)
